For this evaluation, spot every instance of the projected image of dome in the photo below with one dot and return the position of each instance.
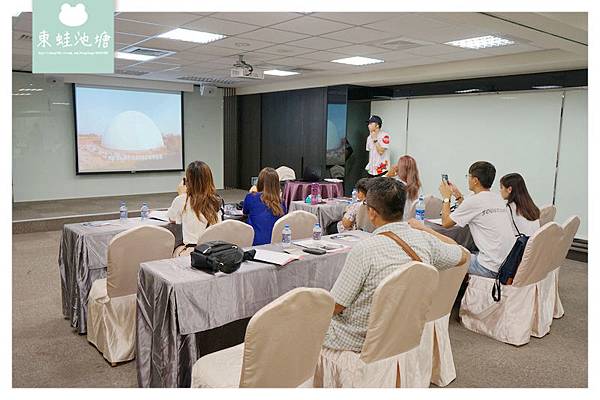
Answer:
(132, 131)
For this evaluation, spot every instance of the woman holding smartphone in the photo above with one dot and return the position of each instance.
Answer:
(197, 206)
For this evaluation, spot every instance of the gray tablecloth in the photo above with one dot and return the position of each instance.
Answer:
(82, 260)
(332, 210)
(461, 235)
(177, 304)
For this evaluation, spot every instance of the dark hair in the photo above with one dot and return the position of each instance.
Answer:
(387, 196)
(362, 185)
(201, 193)
(484, 172)
(268, 185)
(520, 196)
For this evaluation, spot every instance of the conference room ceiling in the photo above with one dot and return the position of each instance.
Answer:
(410, 44)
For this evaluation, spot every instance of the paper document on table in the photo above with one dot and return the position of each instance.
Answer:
(347, 237)
(159, 215)
(99, 223)
(321, 244)
(274, 257)
(333, 180)
(437, 221)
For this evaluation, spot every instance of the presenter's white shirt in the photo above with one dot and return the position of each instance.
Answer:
(191, 226)
(490, 225)
(378, 163)
(526, 227)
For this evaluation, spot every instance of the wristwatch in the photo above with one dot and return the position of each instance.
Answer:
(447, 200)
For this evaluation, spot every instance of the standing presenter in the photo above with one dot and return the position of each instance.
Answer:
(378, 144)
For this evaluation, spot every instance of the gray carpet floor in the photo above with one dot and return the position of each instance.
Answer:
(48, 353)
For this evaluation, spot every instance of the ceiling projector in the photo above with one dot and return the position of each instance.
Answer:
(242, 69)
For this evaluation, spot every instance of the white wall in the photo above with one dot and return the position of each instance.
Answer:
(44, 146)
(517, 132)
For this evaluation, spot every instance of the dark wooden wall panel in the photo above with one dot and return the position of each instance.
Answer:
(249, 138)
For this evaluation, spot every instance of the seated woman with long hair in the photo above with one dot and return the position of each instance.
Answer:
(406, 171)
(264, 207)
(197, 208)
(525, 214)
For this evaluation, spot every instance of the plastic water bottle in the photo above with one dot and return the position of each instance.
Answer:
(286, 236)
(420, 209)
(123, 212)
(308, 199)
(354, 195)
(144, 211)
(317, 232)
(319, 199)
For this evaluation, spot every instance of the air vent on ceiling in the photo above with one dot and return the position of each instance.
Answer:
(401, 43)
(207, 80)
(25, 36)
(130, 72)
(147, 52)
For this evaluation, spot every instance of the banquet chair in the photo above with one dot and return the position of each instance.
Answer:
(570, 227)
(112, 301)
(362, 220)
(547, 214)
(396, 320)
(301, 223)
(230, 231)
(285, 173)
(435, 361)
(526, 307)
(280, 349)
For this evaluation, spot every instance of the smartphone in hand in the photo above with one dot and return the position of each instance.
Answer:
(445, 178)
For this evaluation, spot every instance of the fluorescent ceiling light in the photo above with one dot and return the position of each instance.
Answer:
(547, 87)
(481, 42)
(132, 56)
(188, 35)
(277, 72)
(30, 90)
(357, 61)
(468, 91)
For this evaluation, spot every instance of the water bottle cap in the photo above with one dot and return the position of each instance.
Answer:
(286, 226)
(317, 224)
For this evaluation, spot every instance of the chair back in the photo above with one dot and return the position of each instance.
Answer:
(128, 249)
(449, 282)
(433, 207)
(539, 257)
(285, 173)
(337, 172)
(301, 223)
(230, 231)
(362, 220)
(547, 214)
(283, 339)
(398, 311)
(569, 227)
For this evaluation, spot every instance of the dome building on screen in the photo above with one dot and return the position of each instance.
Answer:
(132, 131)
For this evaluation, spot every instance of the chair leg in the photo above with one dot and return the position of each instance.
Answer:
(113, 364)
(397, 374)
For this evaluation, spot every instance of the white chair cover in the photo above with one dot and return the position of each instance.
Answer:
(396, 323)
(337, 172)
(231, 231)
(301, 223)
(112, 301)
(281, 345)
(285, 173)
(526, 307)
(547, 214)
(362, 220)
(570, 227)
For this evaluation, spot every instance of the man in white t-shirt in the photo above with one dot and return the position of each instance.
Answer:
(485, 213)
(378, 144)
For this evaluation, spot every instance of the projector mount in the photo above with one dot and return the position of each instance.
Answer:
(243, 64)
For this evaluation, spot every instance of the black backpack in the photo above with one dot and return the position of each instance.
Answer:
(509, 266)
(218, 256)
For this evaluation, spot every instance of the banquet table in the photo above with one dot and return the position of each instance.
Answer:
(461, 235)
(183, 313)
(327, 212)
(82, 260)
(298, 190)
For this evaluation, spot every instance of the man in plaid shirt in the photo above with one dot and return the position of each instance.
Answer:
(370, 261)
